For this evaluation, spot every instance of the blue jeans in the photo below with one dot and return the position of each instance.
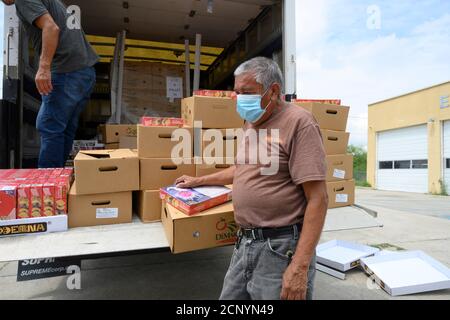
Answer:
(58, 117)
(257, 267)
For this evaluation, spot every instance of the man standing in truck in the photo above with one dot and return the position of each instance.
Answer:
(280, 213)
(65, 77)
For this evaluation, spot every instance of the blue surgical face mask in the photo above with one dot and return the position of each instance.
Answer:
(249, 106)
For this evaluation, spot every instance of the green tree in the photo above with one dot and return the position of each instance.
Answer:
(359, 165)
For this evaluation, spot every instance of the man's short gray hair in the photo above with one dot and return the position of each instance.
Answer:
(265, 71)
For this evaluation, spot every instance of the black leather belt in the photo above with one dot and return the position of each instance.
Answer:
(265, 233)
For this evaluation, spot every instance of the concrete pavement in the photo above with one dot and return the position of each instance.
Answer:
(425, 204)
(409, 221)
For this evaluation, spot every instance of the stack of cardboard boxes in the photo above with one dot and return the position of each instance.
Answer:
(102, 191)
(158, 167)
(216, 226)
(332, 119)
(151, 89)
(213, 116)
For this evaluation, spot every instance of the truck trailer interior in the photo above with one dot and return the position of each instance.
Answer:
(232, 31)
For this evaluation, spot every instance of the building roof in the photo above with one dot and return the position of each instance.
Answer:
(409, 93)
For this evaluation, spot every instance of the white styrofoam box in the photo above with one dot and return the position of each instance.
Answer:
(342, 255)
(386, 252)
(407, 272)
(330, 271)
(33, 226)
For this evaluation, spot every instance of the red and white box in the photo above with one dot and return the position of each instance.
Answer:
(323, 101)
(162, 122)
(36, 200)
(24, 201)
(8, 194)
(56, 172)
(195, 200)
(62, 186)
(215, 93)
(48, 199)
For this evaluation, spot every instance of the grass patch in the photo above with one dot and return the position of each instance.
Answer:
(363, 184)
(444, 191)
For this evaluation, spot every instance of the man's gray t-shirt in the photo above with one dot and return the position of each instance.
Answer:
(73, 52)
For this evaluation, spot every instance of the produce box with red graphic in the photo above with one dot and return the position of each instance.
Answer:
(212, 228)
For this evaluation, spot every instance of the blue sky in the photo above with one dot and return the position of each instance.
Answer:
(339, 56)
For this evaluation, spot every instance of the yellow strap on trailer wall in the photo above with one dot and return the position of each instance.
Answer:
(153, 51)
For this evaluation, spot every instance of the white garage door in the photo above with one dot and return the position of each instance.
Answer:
(402, 156)
(447, 154)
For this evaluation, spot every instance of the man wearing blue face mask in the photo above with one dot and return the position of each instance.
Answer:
(281, 214)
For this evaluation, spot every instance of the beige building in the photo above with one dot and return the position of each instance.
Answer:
(409, 142)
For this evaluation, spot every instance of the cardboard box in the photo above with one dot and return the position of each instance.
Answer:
(214, 112)
(146, 91)
(341, 193)
(148, 205)
(328, 116)
(156, 142)
(195, 200)
(128, 142)
(158, 173)
(112, 146)
(99, 209)
(339, 167)
(8, 194)
(212, 165)
(33, 226)
(111, 133)
(335, 142)
(105, 171)
(212, 228)
(205, 144)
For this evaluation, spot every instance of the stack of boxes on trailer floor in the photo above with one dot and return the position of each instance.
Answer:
(151, 89)
(332, 119)
(216, 226)
(215, 115)
(157, 167)
(102, 192)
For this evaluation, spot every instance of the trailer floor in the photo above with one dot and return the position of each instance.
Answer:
(199, 275)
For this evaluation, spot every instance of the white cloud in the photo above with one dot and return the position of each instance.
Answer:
(372, 68)
(311, 22)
